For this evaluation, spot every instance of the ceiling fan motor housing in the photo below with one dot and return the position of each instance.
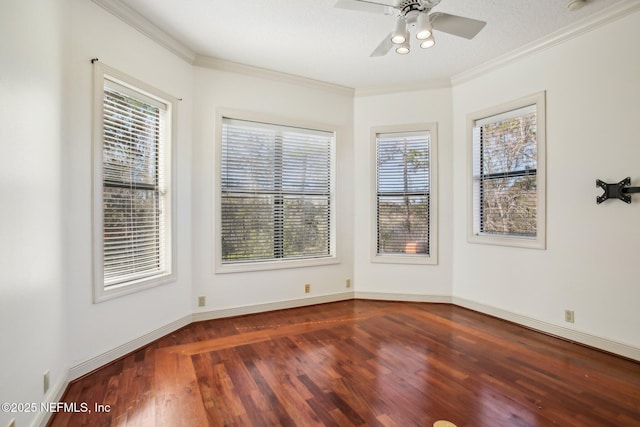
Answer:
(410, 9)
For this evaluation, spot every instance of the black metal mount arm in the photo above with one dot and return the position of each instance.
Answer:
(618, 190)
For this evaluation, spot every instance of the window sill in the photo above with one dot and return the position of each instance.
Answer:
(104, 294)
(242, 267)
(404, 259)
(512, 241)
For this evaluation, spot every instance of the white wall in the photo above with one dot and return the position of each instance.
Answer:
(47, 318)
(93, 329)
(413, 281)
(591, 261)
(32, 307)
(218, 89)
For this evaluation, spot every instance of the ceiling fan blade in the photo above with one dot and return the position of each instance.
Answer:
(456, 25)
(365, 6)
(384, 47)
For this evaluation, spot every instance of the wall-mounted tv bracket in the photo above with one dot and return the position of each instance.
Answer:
(618, 190)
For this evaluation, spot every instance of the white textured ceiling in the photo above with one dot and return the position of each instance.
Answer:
(312, 39)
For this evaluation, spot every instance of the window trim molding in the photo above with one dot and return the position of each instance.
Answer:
(102, 72)
(539, 242)
(221, 268)
(432, 258)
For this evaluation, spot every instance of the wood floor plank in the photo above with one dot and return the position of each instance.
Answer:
(360, 363)
(178, 399)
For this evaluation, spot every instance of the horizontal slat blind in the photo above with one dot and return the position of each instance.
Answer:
(505, 169)
(403, 193)
(276, 192)
(133, 196)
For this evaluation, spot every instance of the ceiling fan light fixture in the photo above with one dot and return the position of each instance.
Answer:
(428, 42)
(403, 48)
(424, 29)
(400, 34)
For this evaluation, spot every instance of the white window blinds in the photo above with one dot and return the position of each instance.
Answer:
(403, 193)
(276, 192)
(505, 154)
(134, 190)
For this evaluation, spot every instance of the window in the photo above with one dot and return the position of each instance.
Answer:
(276, 200)
(405, 212)
(132, 185)
(508, 179)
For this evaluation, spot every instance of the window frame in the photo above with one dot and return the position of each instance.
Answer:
(417, 259)
(537, 100)
(149, 94)
(221, 267)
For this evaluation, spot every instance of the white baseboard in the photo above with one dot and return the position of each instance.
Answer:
(550, 328)
(126, 348)
(574, 335)
(271, 306)
(383, 296)
(54, 395)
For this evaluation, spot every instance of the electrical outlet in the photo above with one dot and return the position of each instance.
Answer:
(569, 316)
(348, 283)
(46, 381)
(307, 288)
(202, 301)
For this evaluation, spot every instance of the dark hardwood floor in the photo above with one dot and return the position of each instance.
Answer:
(358, 363)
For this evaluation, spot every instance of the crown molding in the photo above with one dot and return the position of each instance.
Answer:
(590, 23)
(137, 21)
(155, 33)
(264, 73)
(409, 87)
(146, 27)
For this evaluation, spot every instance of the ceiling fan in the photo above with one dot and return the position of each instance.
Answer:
(414, 14)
